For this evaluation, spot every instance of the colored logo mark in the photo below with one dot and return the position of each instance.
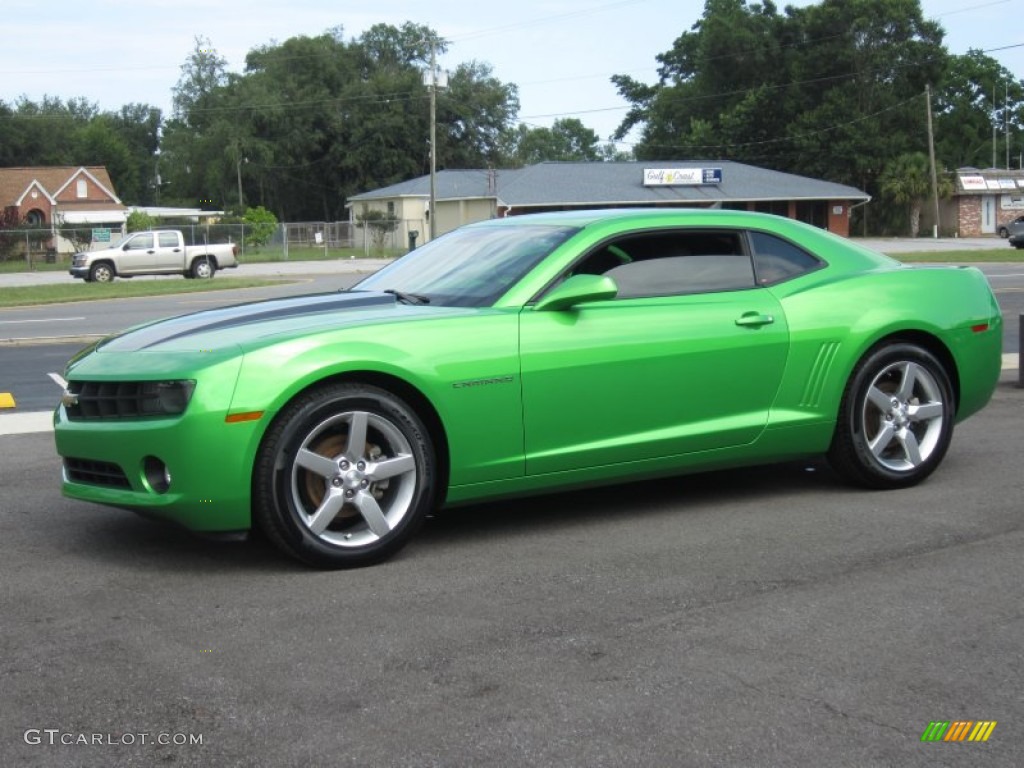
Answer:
(958, 730)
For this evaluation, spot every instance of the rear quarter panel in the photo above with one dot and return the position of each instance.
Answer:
(836, 318)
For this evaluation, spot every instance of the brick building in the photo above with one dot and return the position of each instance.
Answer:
(984, 202)
(60, 195)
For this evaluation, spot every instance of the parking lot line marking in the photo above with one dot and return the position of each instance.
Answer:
(6, 400)
(26, 423)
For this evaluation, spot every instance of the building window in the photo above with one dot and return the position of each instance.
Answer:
(35, 217)
(82, 188)
(391, 209)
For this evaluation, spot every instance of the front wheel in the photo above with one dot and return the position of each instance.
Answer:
(895, 420)
(345, 476)
(101, 273)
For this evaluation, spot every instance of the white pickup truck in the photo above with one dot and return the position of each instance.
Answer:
(153, 253)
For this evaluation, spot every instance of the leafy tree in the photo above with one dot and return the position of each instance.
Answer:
(54, 132)
(9, 221)
(473, 114)
(260, 226)
(79, 236)
(974, 95)
(379, 224)
(833, 90)
(314, 120)
(139, 221)
(567, 139)
(203, 72)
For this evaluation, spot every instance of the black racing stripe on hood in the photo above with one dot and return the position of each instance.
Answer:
(246, 314)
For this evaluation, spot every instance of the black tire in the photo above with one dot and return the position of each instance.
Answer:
(895, 420)
(101, 272)
(1004, 232)
(203, 268)
(333, 507)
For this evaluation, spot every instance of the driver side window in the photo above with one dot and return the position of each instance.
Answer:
(670, 263)
(140, 243)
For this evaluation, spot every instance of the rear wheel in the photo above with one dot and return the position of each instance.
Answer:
(896, 418)
(203, 268)
(345, 476)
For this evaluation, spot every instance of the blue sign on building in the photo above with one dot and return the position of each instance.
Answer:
(712, 175)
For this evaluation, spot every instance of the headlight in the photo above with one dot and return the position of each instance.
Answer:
(173, 396)
(88, 400)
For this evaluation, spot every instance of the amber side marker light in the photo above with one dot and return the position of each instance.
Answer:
(237, 418)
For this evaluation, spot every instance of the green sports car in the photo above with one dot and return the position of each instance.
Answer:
(528, 354)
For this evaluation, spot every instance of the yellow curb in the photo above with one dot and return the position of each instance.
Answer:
(6, 400)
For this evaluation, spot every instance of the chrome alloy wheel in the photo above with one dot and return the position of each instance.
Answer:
(903, 415)
(353, 479)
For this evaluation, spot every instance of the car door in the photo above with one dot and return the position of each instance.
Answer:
(137, 254)
(169, 255)
(687, 359)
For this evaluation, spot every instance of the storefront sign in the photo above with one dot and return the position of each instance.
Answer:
(975, 183)
(673, 177)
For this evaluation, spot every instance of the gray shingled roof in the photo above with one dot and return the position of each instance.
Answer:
(552, 183)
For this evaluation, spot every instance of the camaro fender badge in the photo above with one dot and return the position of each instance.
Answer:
(483, 382)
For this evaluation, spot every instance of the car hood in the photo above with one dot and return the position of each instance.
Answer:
(244, 325)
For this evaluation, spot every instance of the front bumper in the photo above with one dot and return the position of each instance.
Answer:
(82, 272)
(209, 463)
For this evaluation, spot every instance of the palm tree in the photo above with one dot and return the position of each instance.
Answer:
(905, 181)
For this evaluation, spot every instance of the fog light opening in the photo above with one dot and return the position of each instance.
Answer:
(158, 476)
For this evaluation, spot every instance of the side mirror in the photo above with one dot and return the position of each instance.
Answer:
(578, 289)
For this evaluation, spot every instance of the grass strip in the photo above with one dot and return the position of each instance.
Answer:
(122, 289)
(990, 256)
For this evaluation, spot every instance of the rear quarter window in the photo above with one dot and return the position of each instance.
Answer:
(776, 259)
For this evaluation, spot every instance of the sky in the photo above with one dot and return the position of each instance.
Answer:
(560, 53)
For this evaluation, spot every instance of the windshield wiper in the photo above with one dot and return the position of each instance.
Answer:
(408, 298)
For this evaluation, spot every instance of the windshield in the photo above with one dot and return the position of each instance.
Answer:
(469, 267)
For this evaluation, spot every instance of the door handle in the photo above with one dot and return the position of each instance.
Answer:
(754, 320)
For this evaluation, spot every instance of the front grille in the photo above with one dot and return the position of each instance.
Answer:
(91, 472)
(94, 400)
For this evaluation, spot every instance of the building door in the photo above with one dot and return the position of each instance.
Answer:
(988, 215)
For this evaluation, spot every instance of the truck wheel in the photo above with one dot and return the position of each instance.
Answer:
(101, 273)
(203, 268)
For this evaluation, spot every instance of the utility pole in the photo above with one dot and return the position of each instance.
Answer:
(238, 171)
(931, 160)
(1006, 120)
(433, 142)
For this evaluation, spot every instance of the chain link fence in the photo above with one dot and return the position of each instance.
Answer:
(288, 241)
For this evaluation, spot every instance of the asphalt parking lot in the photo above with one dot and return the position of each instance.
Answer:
(769, 617)
(765, 617)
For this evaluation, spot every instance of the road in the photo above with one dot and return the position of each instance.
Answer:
(760, 618)
(37, 340)
(24, 361)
